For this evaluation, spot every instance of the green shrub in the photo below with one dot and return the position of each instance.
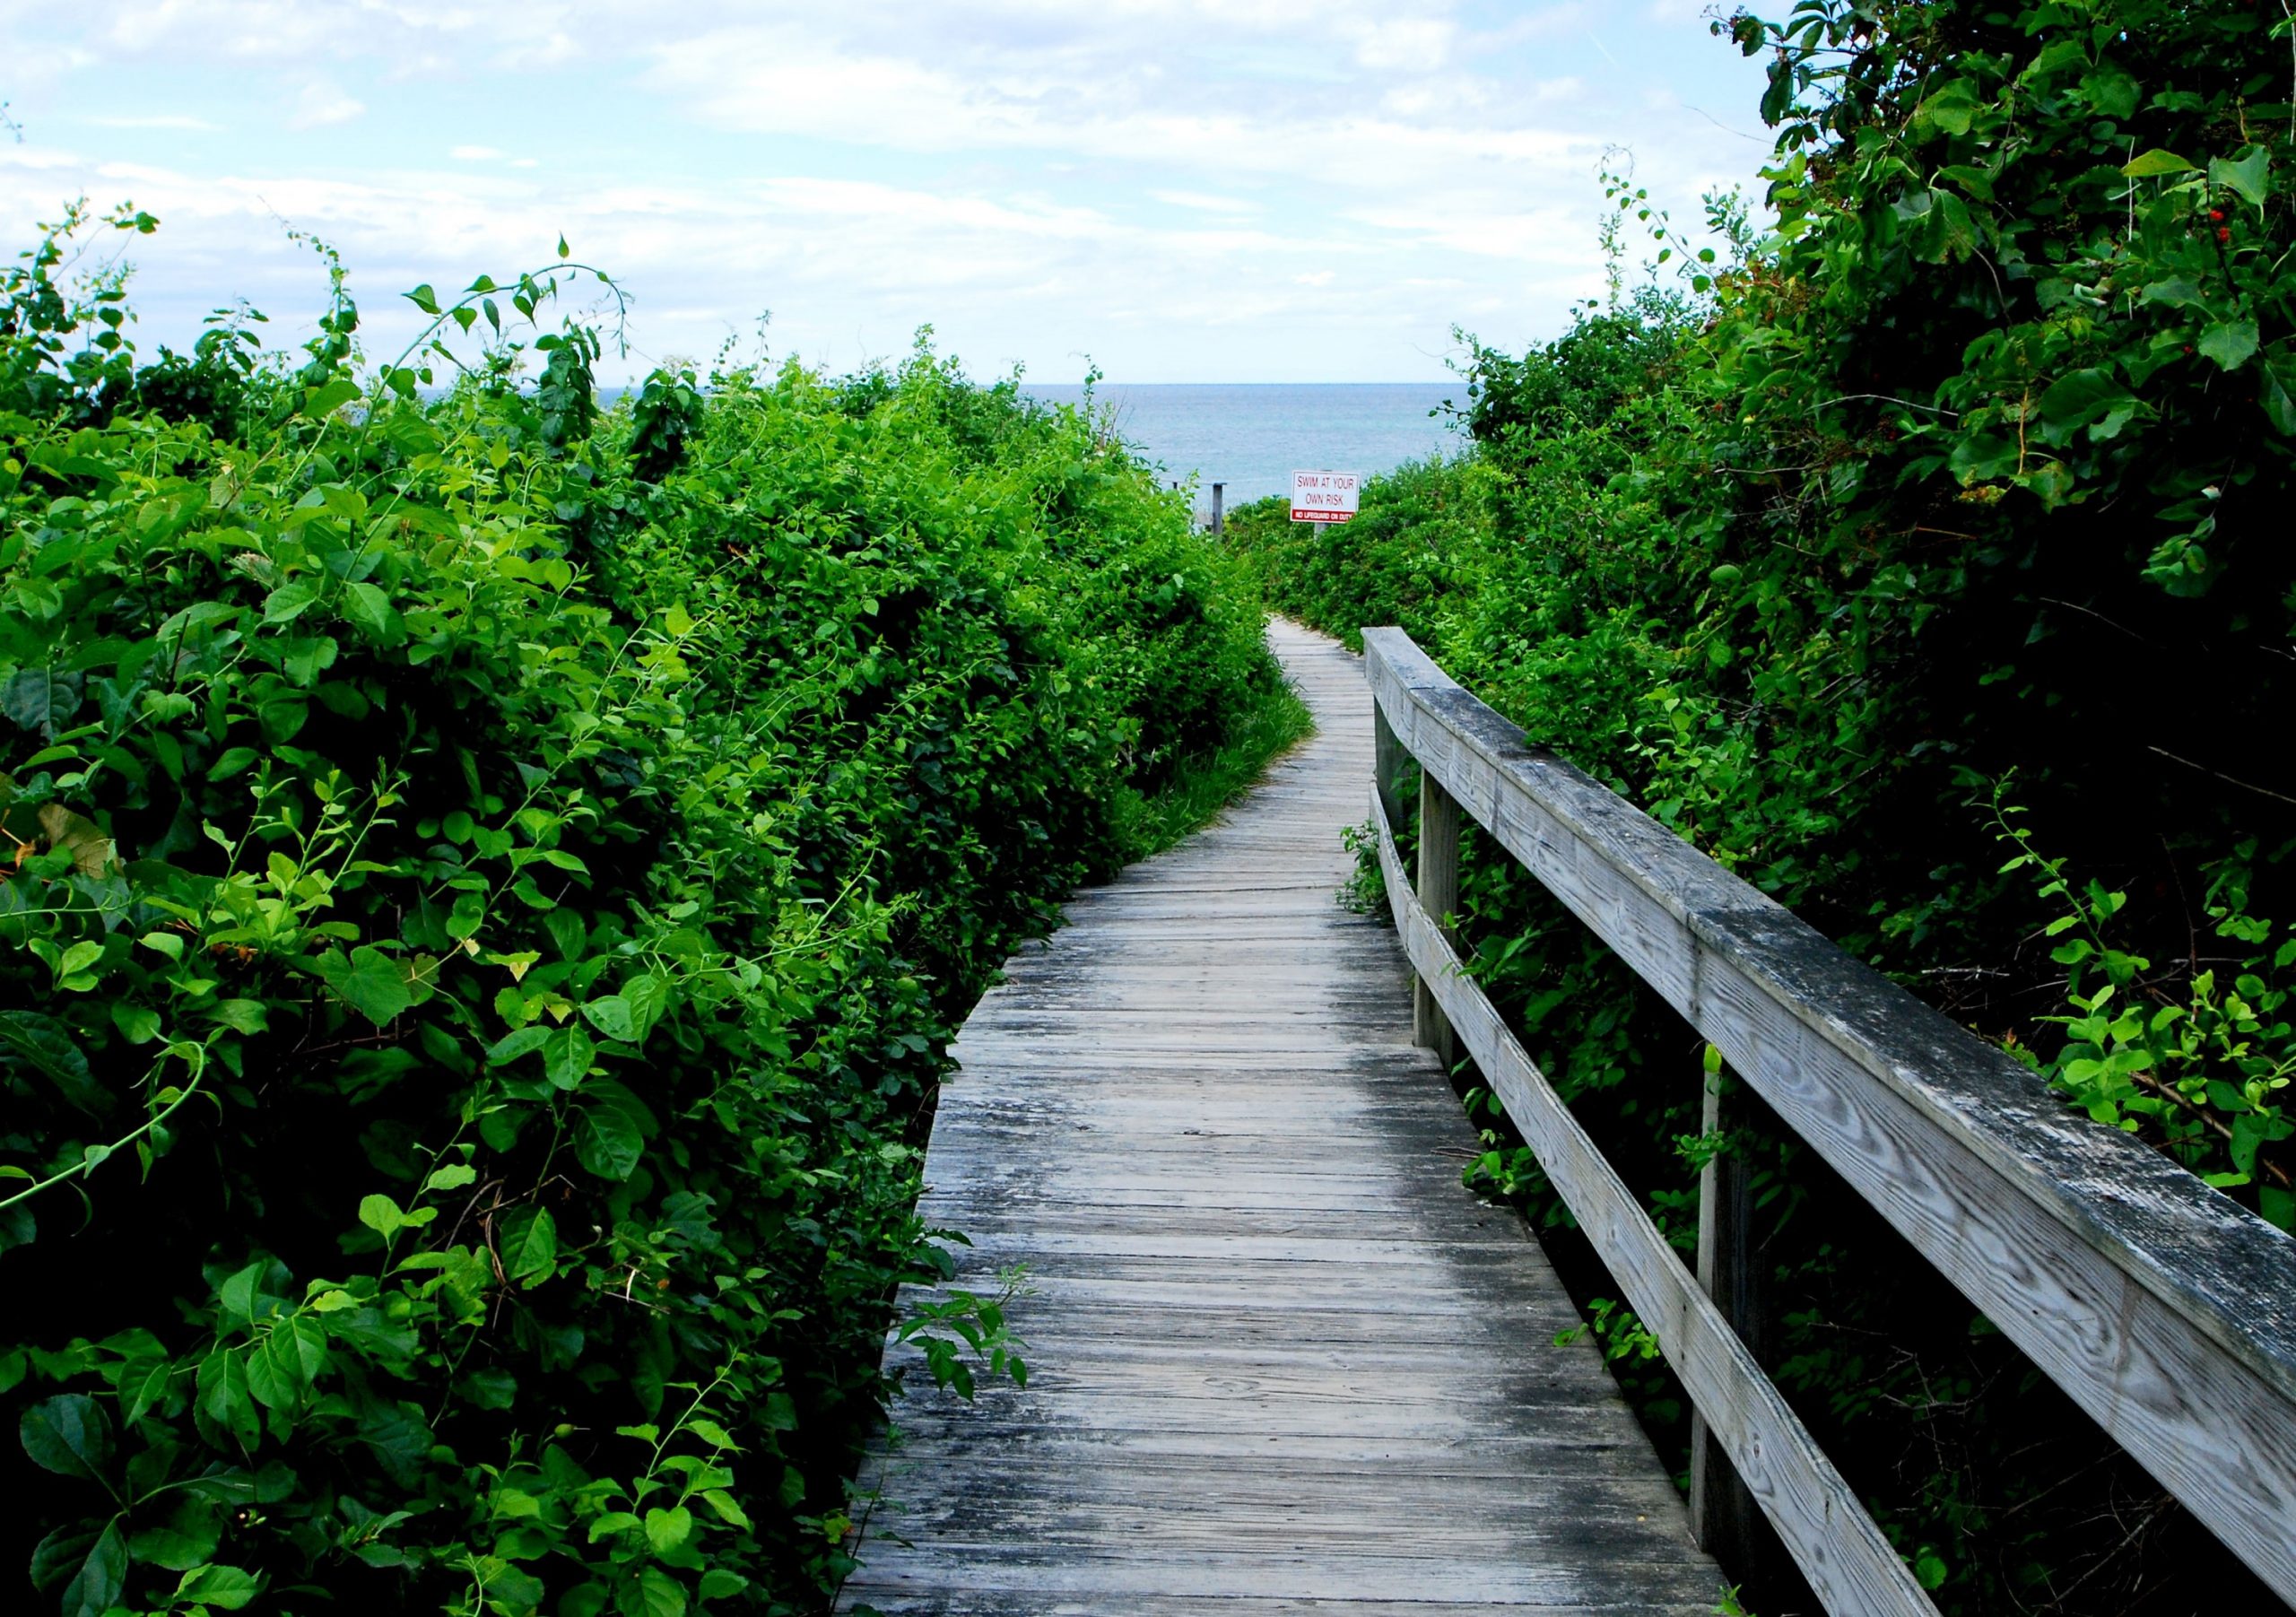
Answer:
(494, 883)
(1920, 561)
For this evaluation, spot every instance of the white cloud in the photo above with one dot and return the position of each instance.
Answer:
(1204, 203)
(157, 120)
(1009, 170)
(1405, 44)
(323, 103)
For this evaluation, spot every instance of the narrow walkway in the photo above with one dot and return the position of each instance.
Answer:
(1280, 1361)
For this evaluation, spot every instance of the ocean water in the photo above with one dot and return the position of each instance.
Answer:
(1252, 435)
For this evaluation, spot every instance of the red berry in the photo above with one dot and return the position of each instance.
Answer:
(2225, 233)
(2214, 214)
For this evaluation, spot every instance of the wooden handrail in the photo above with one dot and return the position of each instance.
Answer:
(2166, 1311)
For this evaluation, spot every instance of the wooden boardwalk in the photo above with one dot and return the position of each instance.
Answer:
(1281, 1362)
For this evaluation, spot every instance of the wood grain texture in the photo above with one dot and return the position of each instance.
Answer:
(1848, 1561)
(1724, 1516)
(1280, 1361)
(1438, 895)
(2164, 1309)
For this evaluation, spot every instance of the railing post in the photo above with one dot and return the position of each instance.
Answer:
(1438, 894)
(1724, 1516)
(1386, 765)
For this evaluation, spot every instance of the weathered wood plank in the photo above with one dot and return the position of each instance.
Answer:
(976, 1603)
(2163, 1309)
(1439, 894)
(1850, 1564)
(1724, 1516)
(1280, 1358)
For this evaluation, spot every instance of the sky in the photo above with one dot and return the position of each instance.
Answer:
(1170, 190)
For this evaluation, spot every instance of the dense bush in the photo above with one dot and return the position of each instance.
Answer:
(1924, 560)
(494, 882)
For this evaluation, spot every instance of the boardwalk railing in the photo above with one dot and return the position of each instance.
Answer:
(2166, 1311)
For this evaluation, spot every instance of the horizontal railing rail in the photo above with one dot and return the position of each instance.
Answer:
(2163, 1309)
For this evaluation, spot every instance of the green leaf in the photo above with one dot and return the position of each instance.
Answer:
(320, 401)
(710, 1432)
(291, 600)
(41, 698)
(77, 959)
(660, 1595)
(612, 1016)
(567, 1055)
(2148, 164)
(2089, 398)
(566, 930)
(531, 1248)
(275, 1376)
(227, 1587)
(68, 1434)
(44, 1042)
(2110, 90)
(232, 761)
(187, 1538)
(224, 1402)
(56, 1558)
(1979, 456)
(647, 998)
(513, 1046)
(1944, 228)
(1977, 182)
(141, 1386)
(370, 610)
(728, 1508)
(2178, 292)
(611, 1130)
(1949, 111)
(369, 981)
(2229, 343)
(453, 1176)
(665, 1530)
(398, 1437)
(240, 1015)
(137, 1024)
(2059, 56)
(2244, 176)
(381, 1214)
(423, 298)
(2279, 407)
(717, 1582)
(237, 1295)
(95, 1589)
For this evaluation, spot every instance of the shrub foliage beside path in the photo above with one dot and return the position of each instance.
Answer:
(1925, 561)
(492, 885)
